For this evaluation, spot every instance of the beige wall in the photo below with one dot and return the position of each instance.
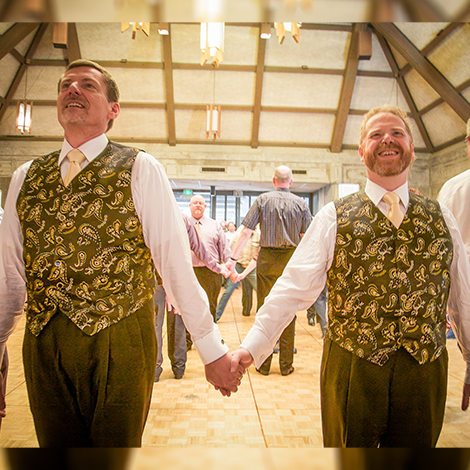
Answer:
(241, 163)
(446, 164)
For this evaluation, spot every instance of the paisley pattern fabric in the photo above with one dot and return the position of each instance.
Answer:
(388, 287)
(84, 251)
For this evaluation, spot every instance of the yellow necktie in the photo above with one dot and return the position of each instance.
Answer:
(199, 229)
(394, 214)
(76, 157)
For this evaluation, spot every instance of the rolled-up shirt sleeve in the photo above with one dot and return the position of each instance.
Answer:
(167, 238)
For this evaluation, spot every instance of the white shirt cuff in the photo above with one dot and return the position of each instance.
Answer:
(211, 347)
(258, 346)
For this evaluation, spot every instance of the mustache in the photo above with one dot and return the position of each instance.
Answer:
(393, 146)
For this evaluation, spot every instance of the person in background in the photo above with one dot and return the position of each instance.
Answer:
(394, 262)
(249, 252)
(176, 331)
(216, 244)
(283, 218)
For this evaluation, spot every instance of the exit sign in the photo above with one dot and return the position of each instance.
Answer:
(187, 192)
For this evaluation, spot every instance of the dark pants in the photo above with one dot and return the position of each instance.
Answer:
(91, 391)
(211, 282)
(176, 343)
(270, 265)
(399, 404)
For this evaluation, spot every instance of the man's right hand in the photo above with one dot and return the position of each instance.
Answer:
(241, 358)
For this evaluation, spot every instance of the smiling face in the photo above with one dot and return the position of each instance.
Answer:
(197, 206)
(387, 149)
(82, 105)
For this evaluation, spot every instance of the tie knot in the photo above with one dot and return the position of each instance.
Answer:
(76, 156)
(391, 198)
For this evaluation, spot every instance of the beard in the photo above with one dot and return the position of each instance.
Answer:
(388, 167)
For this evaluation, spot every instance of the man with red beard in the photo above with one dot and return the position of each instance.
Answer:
(394, 262)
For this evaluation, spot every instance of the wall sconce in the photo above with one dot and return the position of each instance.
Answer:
(265, 30)
(164, 29)
(212, 42)
(24, 115)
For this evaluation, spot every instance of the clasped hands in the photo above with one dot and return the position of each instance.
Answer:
(226, 373)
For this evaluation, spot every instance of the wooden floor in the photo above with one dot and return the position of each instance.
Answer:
(274, 412)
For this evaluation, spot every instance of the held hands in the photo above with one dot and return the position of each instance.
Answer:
(230, 265)
(224, 271)
(224, 375)
(235, 277)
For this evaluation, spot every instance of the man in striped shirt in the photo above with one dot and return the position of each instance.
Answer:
(283, 218)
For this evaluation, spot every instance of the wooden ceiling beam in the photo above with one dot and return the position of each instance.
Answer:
(405, 91)
(22, 69)
(73, 44)
(13, 36)
(347, 89)
(169, 89)
(435, 43)
(427, 70)
(261, 56)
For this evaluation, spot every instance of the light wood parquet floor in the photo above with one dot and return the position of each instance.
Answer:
(267, 416)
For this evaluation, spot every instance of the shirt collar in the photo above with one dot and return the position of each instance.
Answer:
(376, 192)
(282, 189)
(91, 149)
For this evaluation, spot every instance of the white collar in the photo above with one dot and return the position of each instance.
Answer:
(91, 149)
(376, 192)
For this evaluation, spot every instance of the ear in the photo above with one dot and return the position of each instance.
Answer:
(361, 154)
(114, 110)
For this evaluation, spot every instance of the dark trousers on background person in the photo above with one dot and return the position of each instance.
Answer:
(91, 391)
(270, 265)
(211, 282)
(399, 404)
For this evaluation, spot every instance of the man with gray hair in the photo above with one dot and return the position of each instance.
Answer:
(394, 263)
(455, 194)
(283, 218)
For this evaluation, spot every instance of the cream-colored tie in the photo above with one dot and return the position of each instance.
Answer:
(394, 214)
(199, 229)
(76, 157)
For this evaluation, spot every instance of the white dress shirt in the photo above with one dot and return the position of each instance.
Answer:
(305, 275)
(164, 233)
(455, 195)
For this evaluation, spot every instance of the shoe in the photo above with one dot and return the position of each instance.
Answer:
(295, 350)
(311, 322)
(262, 372)
(275, 350)
(178, 376)
(288, 371)
(246, 314)
(156, 379)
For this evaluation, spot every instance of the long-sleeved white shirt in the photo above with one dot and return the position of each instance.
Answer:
(305, 275)
(164, 233)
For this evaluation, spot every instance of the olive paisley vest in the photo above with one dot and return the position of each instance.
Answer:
(84, 251)
(388, 287)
